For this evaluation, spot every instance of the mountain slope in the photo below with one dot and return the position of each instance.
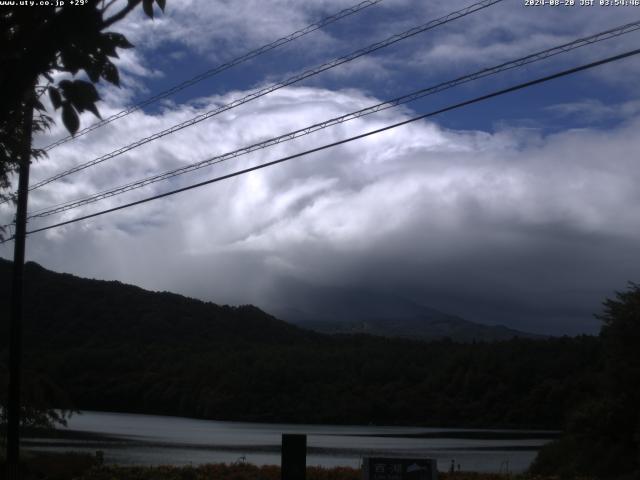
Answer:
(351, 311)
(116, 347)
(58, 305)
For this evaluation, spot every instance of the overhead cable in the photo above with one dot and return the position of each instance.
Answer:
(348, 140)
(271, 88)
(219, 69)
(534, 57)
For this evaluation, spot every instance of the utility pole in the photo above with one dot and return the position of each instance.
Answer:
(15, 326)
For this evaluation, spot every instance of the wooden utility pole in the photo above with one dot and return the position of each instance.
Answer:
(15, 326)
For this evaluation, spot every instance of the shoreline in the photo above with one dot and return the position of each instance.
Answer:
(90, 467)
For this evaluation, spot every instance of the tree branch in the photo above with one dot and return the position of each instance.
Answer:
(107, 6)
(121, 14)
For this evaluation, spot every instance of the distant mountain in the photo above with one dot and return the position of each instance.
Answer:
(421, 328)
(320, 309)
(100, 345)
(349, 311)
(61, 308)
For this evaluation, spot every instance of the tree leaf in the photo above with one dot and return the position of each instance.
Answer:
(65, 85)
(37, 104)
(110, 74)
(93, 72)
(93, 109)
(147, 6)
(79, 93)
(82, 95)
(85, 91)
(71, 59)
(161, 4)
(54, 95)
(70, 118)
(106, 45)
(118, 40)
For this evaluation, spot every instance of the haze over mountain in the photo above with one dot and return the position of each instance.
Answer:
(60, 306)
(104, 345)
(341, 310)
(496, 213)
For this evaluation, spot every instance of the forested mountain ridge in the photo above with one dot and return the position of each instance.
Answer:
(350, 310)
(149, 317)
(117, 347)
(420, 328)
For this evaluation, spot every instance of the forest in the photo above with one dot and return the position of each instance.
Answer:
(100, 345)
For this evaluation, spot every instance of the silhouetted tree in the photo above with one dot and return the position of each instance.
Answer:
(42, 393)
(38, 42)
(621, 336)
(603, 435)
(117, 347)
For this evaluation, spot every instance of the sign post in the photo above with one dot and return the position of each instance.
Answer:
(294, 457)
(399, 468)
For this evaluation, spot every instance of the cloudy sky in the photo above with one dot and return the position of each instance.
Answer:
(523, 210)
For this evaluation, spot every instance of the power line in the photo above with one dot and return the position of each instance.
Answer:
(534, 57)
(271, 88)
(220, 68)
(350, 139)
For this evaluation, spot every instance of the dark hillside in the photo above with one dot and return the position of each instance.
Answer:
(117, 347)
(65, 310)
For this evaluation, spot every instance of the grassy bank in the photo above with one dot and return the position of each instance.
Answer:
(250, 472)
(52, 466)
(70, 466)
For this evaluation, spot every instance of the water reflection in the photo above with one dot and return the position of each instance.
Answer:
(154, 440)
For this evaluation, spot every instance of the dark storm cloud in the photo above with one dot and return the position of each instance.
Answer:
(497, 229)
(508, 226)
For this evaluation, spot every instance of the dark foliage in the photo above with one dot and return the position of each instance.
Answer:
(54, 466)
(37, 42)
(120, 348)
(603, 433)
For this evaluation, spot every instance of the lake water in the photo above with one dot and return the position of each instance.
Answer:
(128, 439)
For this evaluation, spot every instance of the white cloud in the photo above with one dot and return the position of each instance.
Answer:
(498, 215)
(509, 226)
(595, 110)
(218, 30)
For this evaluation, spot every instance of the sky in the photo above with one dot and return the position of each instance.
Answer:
(522, 210)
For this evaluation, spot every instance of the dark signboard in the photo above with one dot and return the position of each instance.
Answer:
(376, 468)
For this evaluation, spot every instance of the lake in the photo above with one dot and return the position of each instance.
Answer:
(132, 439)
